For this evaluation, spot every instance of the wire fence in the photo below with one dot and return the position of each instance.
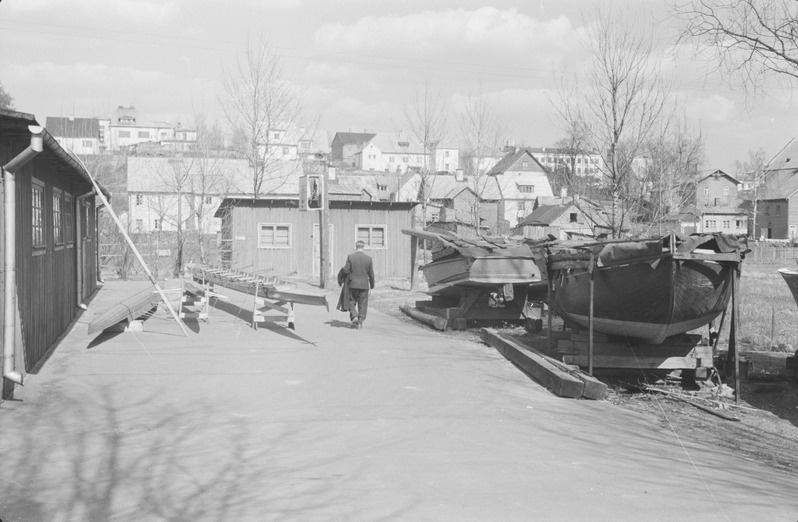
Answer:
(772, 252)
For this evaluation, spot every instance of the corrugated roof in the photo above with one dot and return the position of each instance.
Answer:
(348, 138)
(781, 184)
(786, 158)
(544, 215)
(14, 122)
(73, 127)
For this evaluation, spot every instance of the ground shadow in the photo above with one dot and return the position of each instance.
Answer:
(335, 323)
(106, 335)
(246, 315)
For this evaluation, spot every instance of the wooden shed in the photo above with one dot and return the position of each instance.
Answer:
(273, 236)
(54, 237)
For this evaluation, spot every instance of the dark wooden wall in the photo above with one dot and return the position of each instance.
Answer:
(47, 291)
(243, 219)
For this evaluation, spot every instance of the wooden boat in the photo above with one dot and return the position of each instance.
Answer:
(472, 262)
(268, 288)
(791, 278)
(646, 290)
(128, 309)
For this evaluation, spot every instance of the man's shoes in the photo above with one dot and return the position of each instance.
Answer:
(359, 326)
(355, 323)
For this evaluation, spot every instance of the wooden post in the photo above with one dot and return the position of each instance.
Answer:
(772, 324)
(733, 342)
(590, 320)
(414, 262)
(324, 233)
(549, 303)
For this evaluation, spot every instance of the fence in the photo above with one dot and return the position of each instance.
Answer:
(771, 252)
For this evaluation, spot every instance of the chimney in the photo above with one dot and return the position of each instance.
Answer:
(564, 192)
(458, 175)
(331, 173)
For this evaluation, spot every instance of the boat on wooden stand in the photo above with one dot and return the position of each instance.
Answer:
(645, 290)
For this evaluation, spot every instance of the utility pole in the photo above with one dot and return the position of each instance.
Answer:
(324, 229)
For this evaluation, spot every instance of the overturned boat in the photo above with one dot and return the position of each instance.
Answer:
(645, 290)
(460, 262)
(791, 278)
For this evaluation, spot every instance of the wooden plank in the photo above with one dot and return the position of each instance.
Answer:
(539, 368)
(623, 362)
(439, 323)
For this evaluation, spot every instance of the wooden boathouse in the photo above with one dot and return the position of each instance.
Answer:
(272, 235)
(50, 220)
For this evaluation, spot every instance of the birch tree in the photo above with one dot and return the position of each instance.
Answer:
(426, 121)
(752, 171)
(261, 105)
(480, 130)
(619, 110)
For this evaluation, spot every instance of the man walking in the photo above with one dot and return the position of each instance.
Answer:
(361, 280)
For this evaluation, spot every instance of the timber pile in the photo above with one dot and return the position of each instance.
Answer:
(439, 323)
(562, 379)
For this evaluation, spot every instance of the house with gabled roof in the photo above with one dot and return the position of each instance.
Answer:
(391, 152)
(563, 221)
(777, 212)
(345, 145)
(718, 204)
(520, 180)
(80, 135)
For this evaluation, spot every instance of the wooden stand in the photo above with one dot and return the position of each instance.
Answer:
(680, 352)
(261, 306)
(478, 304)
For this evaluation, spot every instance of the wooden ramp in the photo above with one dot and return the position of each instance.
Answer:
(128, 309)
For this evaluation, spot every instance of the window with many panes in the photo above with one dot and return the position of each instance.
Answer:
(139, 199)
(58, 221)
(274, 235)
(372, 235)
(37, 217)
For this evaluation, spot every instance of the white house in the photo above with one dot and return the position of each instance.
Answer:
(391, 152)
(521, 179)
(80, 135)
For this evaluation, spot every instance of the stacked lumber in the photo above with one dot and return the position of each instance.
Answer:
(562, 379)
(678, 352)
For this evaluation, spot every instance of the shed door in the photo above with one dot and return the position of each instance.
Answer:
(317, 247)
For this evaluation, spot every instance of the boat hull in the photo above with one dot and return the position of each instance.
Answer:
(444, 276)
(648, 301)
(791, 278)
(266, 290)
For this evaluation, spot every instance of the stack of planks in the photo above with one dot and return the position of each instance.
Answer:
(678, 352)
(562, 379)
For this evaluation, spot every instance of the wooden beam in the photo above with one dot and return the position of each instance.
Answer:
(539, 368)
(439, 323)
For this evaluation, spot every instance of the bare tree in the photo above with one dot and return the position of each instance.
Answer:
(752, 39)
(262, 106)
(619, 111)
(752, 172)
(673, 159)
(426, 121)
(480, 129)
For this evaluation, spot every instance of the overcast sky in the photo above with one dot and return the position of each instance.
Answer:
(358, 62)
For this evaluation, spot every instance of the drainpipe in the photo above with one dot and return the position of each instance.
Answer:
(79, 245)
(10, 268)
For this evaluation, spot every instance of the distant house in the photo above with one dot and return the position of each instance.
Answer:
(685, 222)
(345, 145)
(454, 199)
(391, 152)
(580, 163)
(778, 206)
(521, 179)
(271, 235)
(563, 221)
(446, 158)
(80, 135)
(718, 204)
(55, 240)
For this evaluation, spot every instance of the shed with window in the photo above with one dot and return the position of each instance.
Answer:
(273, 236)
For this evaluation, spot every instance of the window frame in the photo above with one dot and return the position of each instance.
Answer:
(69, 220)
(273, 245)
(371, 226)
(38, 248)
(57, 217)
